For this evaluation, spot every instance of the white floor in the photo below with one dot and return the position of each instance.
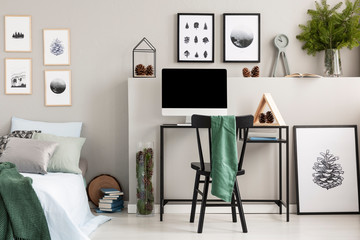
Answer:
(220, 227)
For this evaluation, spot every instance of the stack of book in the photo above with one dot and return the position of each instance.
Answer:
(263, 134)
(112, 201)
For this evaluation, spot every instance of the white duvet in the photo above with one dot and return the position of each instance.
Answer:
(64, 200)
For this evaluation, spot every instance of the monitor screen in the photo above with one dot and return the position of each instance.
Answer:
(194, 91)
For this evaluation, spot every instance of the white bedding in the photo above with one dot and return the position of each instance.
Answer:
(64, 200)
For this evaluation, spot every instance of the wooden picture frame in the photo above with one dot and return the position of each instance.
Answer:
(17, 33)
(327, 169)
(241, 37)
(56, 47)
(18, 76)
(195, 42)
(57, 88)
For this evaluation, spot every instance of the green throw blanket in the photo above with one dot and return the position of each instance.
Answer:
(21, 215)
(224, 156)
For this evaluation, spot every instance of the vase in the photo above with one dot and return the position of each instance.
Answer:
(332, 63)
(144, 172)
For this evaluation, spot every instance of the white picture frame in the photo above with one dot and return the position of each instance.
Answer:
(17, 33)
(327, 169)
(57, 87)
(56, 47)
(18, 76)
(241, 37)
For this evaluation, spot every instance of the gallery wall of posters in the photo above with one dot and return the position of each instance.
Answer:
(17, 33)
(57, 88)
(18, 76)
(56, 46)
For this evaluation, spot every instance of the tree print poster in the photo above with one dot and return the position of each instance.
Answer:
(195, 37)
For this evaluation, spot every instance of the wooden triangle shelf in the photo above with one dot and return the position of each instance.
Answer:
(267, 100)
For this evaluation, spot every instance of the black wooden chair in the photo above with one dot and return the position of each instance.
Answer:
(203, 168)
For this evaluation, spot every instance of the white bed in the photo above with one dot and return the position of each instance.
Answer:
(64, 200)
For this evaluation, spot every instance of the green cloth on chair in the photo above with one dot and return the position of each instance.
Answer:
(224, 156)
(21, 214)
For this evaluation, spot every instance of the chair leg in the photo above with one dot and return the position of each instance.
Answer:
(195, 195)
(240, 207)
(203, 204)
(233, 209)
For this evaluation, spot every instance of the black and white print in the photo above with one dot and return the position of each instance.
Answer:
(56, 46)
(58, 88)
(195, 37)
(242, 37)
(18, 76)
(326, 169)
(18, 33)
(328, 173)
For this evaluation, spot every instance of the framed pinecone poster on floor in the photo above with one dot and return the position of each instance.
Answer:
(327, 169)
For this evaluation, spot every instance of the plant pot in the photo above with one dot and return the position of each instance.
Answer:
(144, 172)
(332, 63)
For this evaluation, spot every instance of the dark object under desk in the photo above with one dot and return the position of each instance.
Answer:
(280, 202)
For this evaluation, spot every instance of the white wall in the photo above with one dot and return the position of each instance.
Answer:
(103, 34)
(301, 101)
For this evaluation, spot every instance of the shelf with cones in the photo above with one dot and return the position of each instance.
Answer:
(272, 117)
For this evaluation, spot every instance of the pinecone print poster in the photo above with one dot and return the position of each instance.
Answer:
(327, 176)
(328, 173)
(195, 37)
(56, 46)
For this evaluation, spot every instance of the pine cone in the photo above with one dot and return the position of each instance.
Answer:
(246, 72)
(140, 69)
(269, 117)
(255, 72)
(149, 70)
(262, 118)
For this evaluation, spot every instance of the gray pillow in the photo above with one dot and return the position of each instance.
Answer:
(29, 155)
(19, 134)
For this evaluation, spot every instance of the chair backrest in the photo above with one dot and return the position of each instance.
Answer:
(243, 123)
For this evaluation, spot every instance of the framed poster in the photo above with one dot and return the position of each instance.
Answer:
(327, 170)
(195, 37)
(241, 37)
(57, 88)
(17, 33)
(56, 46)
(18, 76)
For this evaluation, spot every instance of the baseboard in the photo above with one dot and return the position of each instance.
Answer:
(248, 208)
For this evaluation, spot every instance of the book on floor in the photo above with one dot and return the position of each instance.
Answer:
(111, 191)
(116, 204)
(107, 210)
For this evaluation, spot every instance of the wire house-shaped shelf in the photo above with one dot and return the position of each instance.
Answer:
(144, 59)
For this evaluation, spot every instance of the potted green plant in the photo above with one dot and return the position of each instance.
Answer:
(330, 29)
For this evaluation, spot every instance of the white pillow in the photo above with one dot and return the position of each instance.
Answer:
(66, 129)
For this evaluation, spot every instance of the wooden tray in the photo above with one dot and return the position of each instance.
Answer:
(98, 182)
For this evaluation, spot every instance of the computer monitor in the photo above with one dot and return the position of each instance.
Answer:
(194, 91)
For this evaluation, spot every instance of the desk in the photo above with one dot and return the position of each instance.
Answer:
(280, 202)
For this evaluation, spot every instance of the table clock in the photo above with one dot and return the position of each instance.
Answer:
(281, 41)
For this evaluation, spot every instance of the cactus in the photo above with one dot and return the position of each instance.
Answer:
(144, 172)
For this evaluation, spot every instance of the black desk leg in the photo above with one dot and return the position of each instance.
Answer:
(280, 171)
(287, 175)
(161, 172)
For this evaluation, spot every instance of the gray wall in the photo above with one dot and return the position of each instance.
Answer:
(103, 34)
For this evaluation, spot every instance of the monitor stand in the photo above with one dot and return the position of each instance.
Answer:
(187, 122)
